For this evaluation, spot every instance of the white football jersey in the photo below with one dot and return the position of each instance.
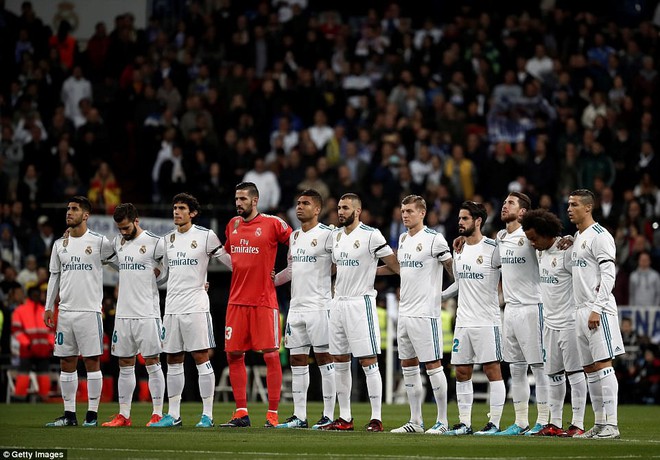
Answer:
(477, 273)
(592, 247)
(420, 258)
(79, 261)
(310, 255)
(356, 256)
(137, 258)
(520, 269)
(556, 288)
(187, 259)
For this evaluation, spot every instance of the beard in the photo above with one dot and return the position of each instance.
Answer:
(469, 231)
(509, 218)
(244, 212)
(131, 235)
(347, 221)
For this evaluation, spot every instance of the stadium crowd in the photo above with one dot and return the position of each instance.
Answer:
(463, 101)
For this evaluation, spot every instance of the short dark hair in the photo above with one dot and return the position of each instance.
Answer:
(188, 199)
(476, 210)
(543, 222)
(353, 197)
(314, 195)
(417, 200)
(523, 200)
(125, 211)
(83, 202)
(250, 187)
(586, 196)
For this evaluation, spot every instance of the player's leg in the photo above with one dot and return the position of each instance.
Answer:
(576, 378)
(173, 348)
(318, 329)
(426, 336)
(593, 376)
(411, 377)
(605, 345)
(156, 387)
(462, 358)
(297, 341)
(531, 338)
(264, 324)
(206, 383)
(364, 341)
(125, 388)
(236, 343)
(88, 330)
(328, 387)
(497, 396)
(150, 339)
(66, 348)
(513, 354)
(340, 351)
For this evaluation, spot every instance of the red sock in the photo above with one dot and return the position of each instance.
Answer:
(273, 379)
(21, 386)
(44, 386)
(238, 378)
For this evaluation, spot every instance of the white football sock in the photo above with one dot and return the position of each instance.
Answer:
(344, 382)
(206, 381)
(465, 397)
(578, 398)
(299, 387)
(596, 394)
(520, 393)
(374, 389)
(610, 386)
(413, 382)
(329, 388)
(69, 385)
(497, 398)
(156, 387)
(556, 396)
(94, 388)
(541, 388)
(125, 389)
(438, 381)
(176, 380)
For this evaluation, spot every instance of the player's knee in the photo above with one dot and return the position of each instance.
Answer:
(299, 360)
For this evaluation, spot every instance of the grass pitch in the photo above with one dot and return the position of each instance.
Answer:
(21, 425)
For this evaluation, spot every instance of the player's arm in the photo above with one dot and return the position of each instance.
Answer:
(604, 251)
(391, 265)
(452, 289)
(284, 276)
(449, 267)
(221, 254)
(51, 295)
(458, 244)
(108, 254)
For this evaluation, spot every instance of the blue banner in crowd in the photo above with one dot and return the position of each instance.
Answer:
(646, 320)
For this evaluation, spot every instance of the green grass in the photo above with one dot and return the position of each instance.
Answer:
(21, 425)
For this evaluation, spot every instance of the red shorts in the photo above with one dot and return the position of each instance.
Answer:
(251, 328)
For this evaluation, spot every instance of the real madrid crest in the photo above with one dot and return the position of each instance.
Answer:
(236, 224)
(65, 243)
(356, 244)
(314, 243)
(480, 260)
(296, 234)
(403, 238)
(419, 247)
(143, 249)
(123, 241)
(257, 232)
(88, 250)
(521, 241)
(554, 262)
(584, 244)
(172, 238)
(193, 244)
(338, 236)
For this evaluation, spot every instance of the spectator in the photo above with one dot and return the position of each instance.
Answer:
(644, 283)
(75, 89)
(266, 182)
(65, 44)
(10, 250)
(28, 275)
(104, 192)
(41, 243)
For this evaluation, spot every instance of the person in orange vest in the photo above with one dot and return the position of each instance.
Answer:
(33, 342)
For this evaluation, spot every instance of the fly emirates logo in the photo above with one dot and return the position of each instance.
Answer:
(244, 248)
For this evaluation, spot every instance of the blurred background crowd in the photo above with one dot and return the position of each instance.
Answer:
(450, 100)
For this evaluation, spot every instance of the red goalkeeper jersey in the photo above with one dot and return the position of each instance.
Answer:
(253, 247)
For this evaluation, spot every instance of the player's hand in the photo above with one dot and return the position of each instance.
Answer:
(66, 232)
(565, 242)
(594, 320)
(206, 286)
(272, 275)
(458, 244)
(49, 318)
(156, 272)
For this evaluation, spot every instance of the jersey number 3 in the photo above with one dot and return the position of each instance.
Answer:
(228, 331)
